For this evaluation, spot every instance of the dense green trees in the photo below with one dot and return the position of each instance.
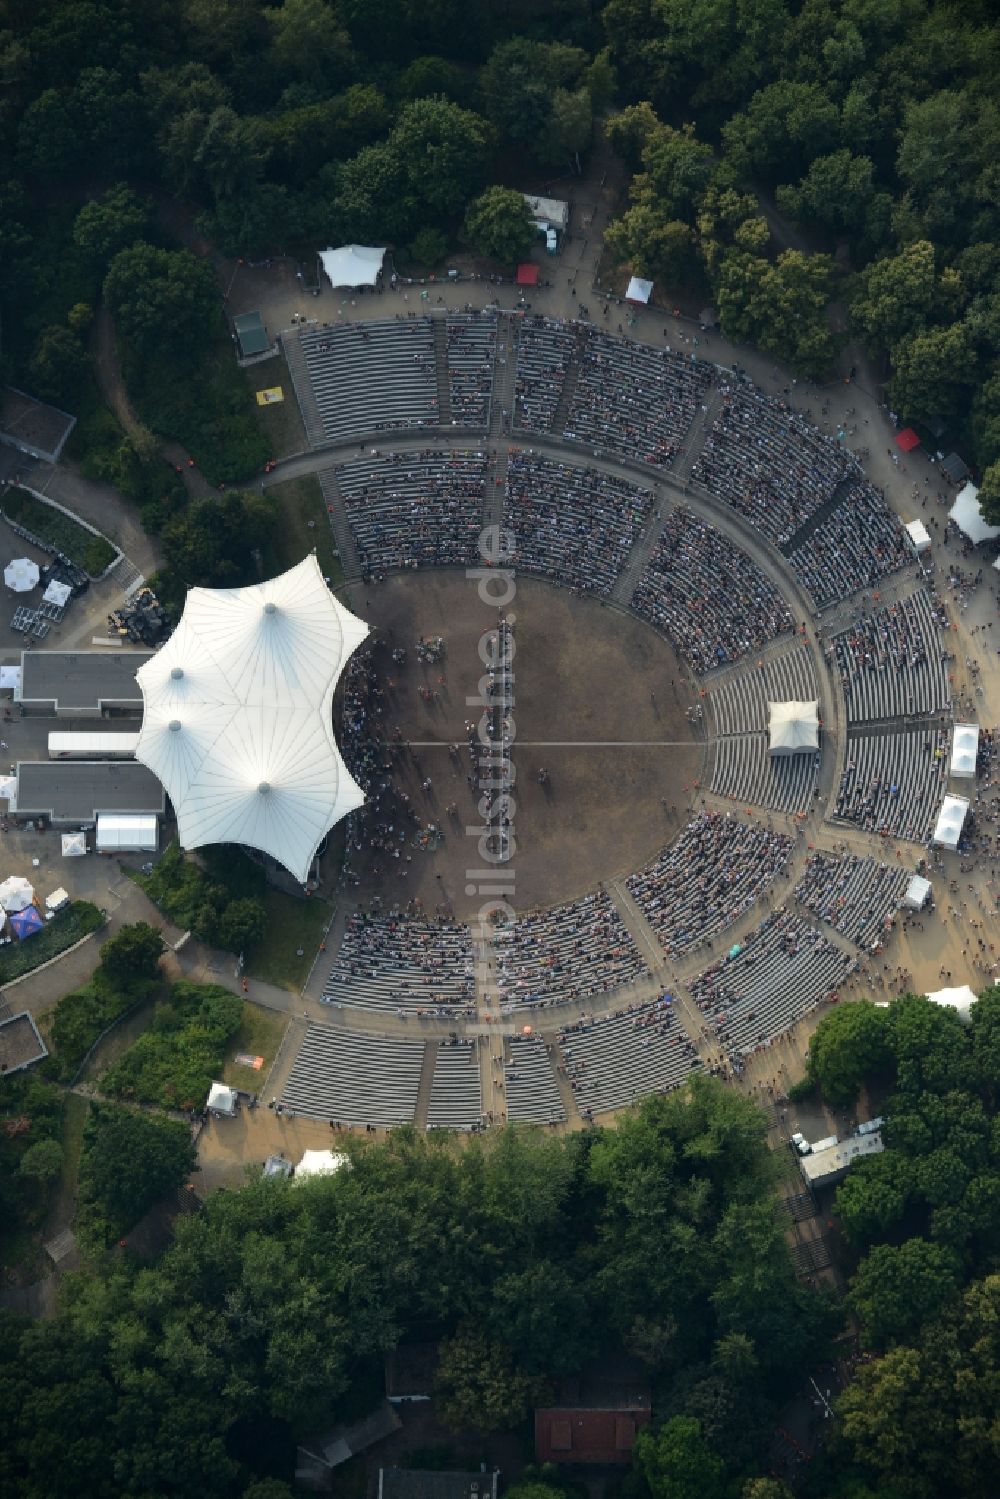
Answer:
(498, 224)
(174, 1062)
(850, 1043)
(277, 1303)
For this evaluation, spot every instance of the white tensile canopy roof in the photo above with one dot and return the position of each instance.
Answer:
(352, 265)
(919, 535)
(918, 892)
(794, 727)
(960, 999)
(238, 716)
(321, 1163)
(951, 820)
(969, 518)
(639, 290)
(964, 751)
(16, 893)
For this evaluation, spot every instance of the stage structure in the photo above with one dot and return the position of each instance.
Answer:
(238, 720)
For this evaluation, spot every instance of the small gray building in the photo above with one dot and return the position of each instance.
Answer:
(825, 1168)
(81, 684)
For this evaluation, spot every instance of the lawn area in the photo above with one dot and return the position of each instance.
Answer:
(301, 501)
(65, 928)
(281, 423)
(53, 528)
(74, 1118)
(259, 1036)
(291, 924)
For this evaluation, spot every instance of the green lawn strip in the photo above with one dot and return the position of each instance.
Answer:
(281, 422)
(301, 501)
(65, 928)
(291, 923)
(74, 1118)
(51, 526)
(259, 1035)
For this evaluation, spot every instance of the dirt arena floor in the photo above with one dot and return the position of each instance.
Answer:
(600, 702)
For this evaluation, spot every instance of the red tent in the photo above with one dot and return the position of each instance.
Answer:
(907, 440)
(527, 274)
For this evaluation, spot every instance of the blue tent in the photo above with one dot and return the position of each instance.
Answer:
(25, 923)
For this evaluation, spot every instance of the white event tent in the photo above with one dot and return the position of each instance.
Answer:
(238, 721)
(639, 290)
(960, 999)
(918, 893)
(969, 518)
(964, 751)
(918, 536)
(352, 265)
(951, 820)
(794, 728)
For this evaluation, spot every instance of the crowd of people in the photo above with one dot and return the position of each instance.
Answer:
(400, 961)
(707, 595)
(610, 1060)
(471, 357)
(893, 783)
(858, 545)
(768, 462)
(421, 509)
(892, 662)
(859, 897)
(714, 872)
(574, 525)
(567, 952)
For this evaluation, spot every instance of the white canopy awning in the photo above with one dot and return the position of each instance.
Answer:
(57, 900)
(221, 1100)
(16, 893)
(8, 786)
(964, 751)
(961, 999)
(58, 594)
(794, 727)
(639, 290)
(919, 535)
(951, 820)
(21, 575)
(352, 265)
(74, 845)
(238, 720)
(321, 1163)
(969, 518)
(10, 677)
(918, 893)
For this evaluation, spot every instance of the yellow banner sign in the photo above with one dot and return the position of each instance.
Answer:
(271, 396)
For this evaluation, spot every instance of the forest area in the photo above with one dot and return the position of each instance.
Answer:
(868, 130)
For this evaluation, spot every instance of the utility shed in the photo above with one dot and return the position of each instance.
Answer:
(596, 1417)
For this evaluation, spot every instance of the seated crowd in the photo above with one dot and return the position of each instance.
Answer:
(611, 1060)
(544, 350)
(893, 783)
(783, 969)
(857, 546)
(706, 594)
(394, 962)
(568, 952)
(706, 879)
(472, 347)
(892, 662)
(859, 897)
(768, 462)
(574, 525)
(634, 400)
(421, 509)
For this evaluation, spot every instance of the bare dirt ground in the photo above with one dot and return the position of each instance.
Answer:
(600, 703)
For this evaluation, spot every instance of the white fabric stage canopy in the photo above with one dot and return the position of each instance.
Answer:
(960, 999)
(794, 728)
(352, 265)
(238, 716)
(969, 518)
(964, 751)
(951, 820)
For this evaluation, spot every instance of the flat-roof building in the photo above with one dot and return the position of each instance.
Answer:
(824, 1168)
(80, 684)
(77, 791)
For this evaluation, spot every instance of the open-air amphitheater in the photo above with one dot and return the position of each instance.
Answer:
(649, 492)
